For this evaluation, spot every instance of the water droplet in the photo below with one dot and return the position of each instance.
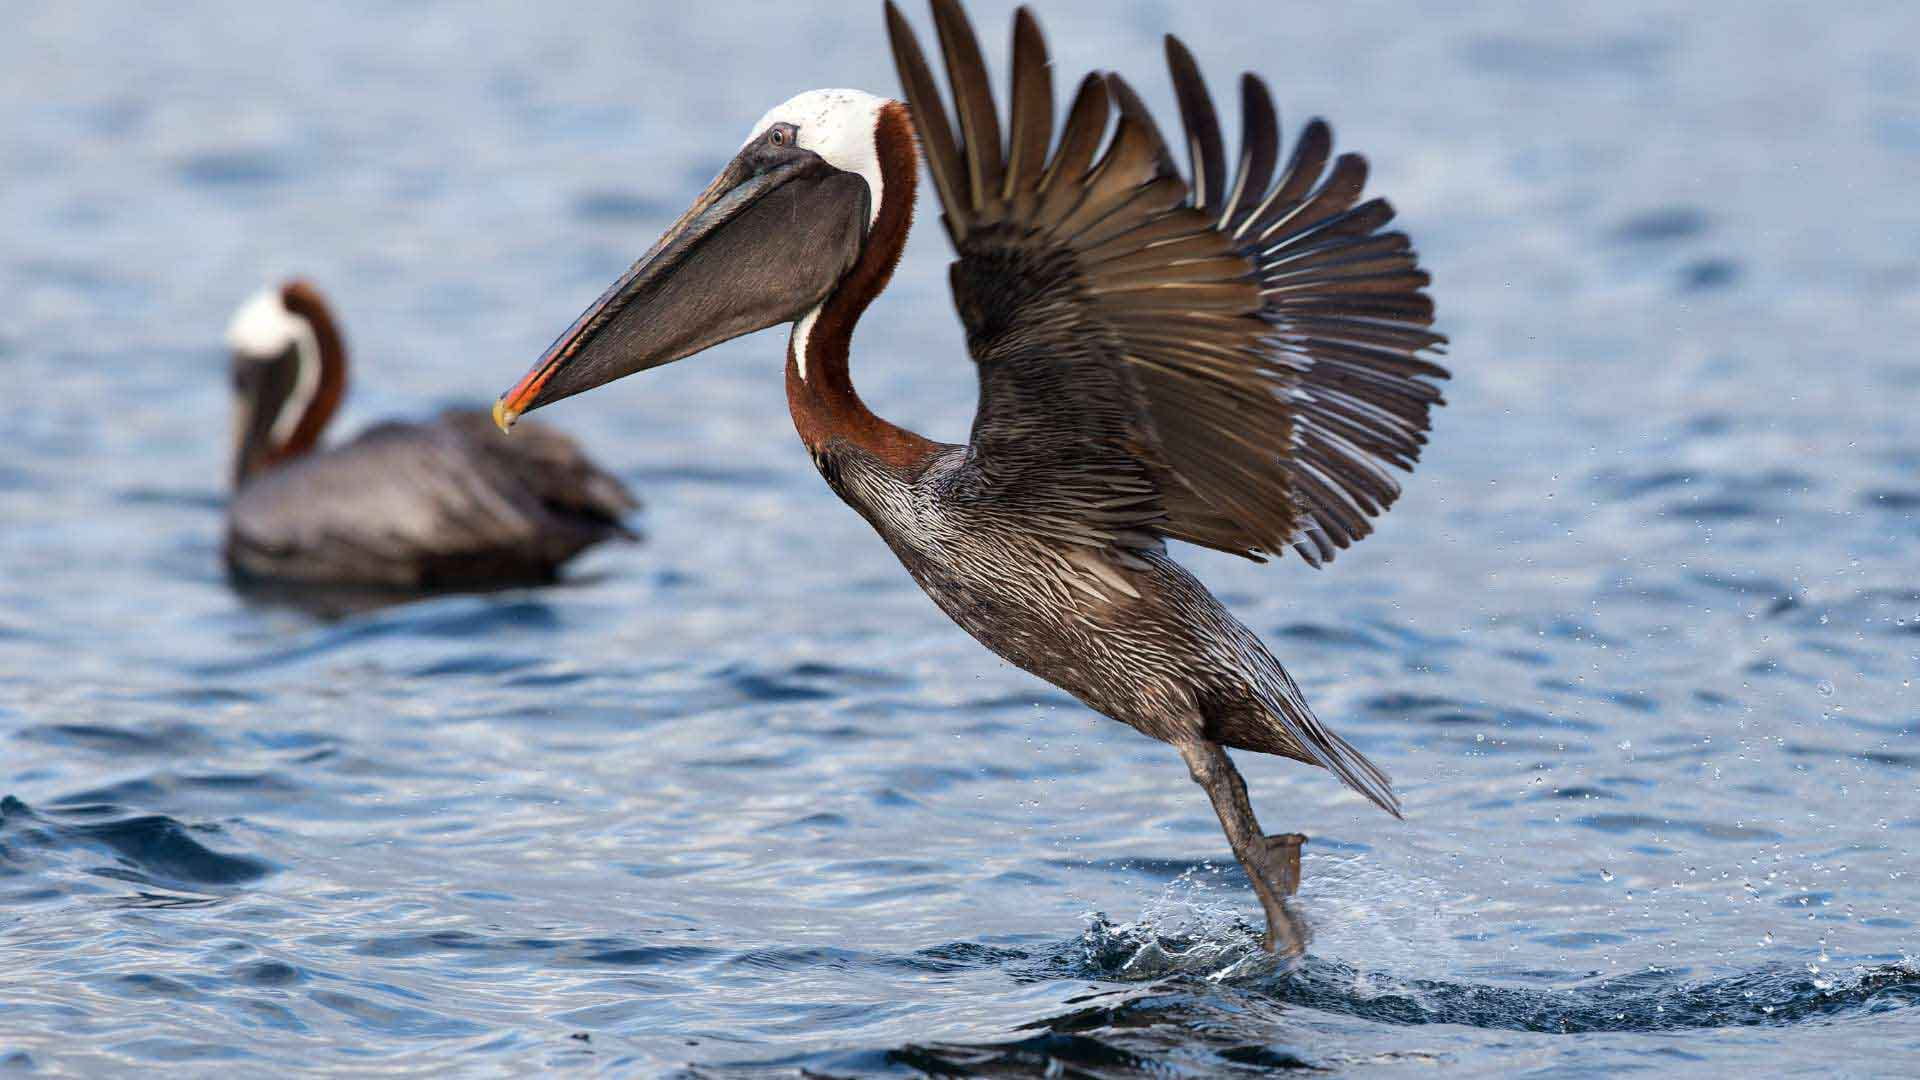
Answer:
(1606, 875)
(1823, 688)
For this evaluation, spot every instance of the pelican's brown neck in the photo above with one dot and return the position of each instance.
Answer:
(303, 300)
(820, 392)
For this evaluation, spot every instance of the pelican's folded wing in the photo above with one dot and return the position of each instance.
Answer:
(433, 504)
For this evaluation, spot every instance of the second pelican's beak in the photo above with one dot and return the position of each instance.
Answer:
(767, 241)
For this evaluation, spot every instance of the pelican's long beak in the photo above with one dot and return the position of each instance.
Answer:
(765, 243)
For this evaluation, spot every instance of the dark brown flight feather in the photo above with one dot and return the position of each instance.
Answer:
(1250, 345)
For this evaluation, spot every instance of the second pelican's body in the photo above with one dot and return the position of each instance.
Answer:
(442, 504)
(1233, 364)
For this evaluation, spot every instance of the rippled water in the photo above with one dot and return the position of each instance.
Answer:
(1638, 644)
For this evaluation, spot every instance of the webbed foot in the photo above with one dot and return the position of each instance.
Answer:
(1272, 863)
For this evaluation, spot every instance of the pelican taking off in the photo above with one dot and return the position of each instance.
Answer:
(1233, 359)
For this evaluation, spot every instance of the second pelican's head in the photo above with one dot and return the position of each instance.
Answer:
(289, 372)
(819, 194)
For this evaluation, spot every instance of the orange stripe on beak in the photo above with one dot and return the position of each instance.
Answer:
(515, 401)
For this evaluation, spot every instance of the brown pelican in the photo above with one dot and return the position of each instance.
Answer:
(443, 504)
(1229, 359)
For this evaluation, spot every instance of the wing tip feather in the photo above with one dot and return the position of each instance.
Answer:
(1375, 300)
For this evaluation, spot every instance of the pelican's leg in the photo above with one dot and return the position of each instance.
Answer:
(1272, 863)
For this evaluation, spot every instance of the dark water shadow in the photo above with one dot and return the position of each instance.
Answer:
(1641, 1002)
(350, 617)
(44, 853)
(334, 603)
(1204, 1000)
(1200, 990)
(1213, 1029)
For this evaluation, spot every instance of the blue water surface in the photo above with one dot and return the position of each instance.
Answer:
(1638, 644)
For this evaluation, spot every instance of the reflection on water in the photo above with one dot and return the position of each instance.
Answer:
(1638, 643)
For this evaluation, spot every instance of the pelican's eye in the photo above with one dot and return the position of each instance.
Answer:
(781, 135)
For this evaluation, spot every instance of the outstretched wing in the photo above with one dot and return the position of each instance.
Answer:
(1233, 360)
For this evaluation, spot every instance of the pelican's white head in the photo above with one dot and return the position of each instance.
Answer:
(263, 335)
(288, 374)
(263, 328)
(842, 126)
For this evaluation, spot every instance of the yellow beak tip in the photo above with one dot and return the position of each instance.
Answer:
(504, 416)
